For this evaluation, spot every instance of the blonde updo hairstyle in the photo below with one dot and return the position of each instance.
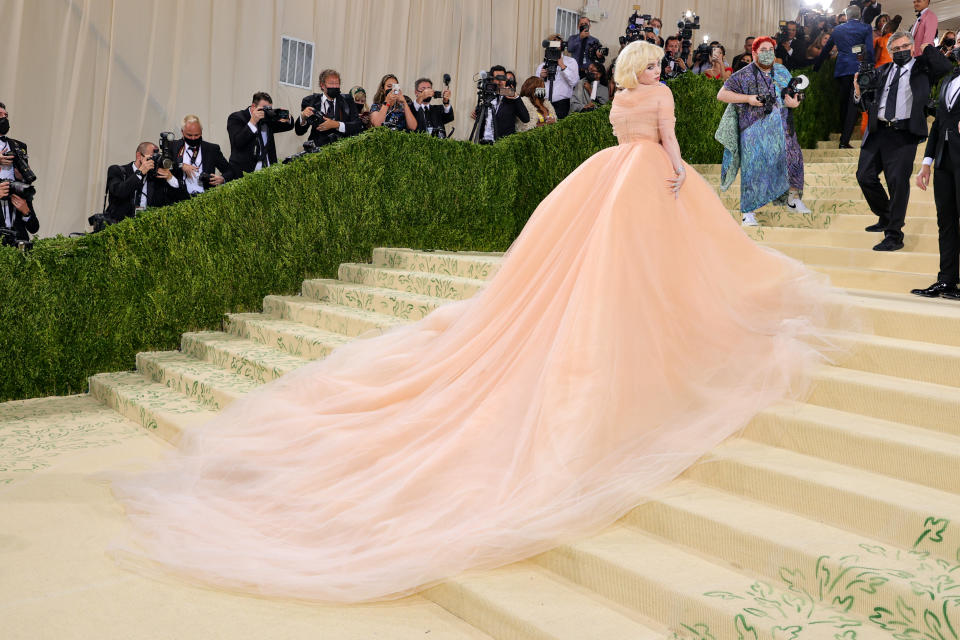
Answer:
(633, 60)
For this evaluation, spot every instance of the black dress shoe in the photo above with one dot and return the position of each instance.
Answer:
(889, 244)
(877, 226)
(953, 294)
(845, 146)
(936, 290)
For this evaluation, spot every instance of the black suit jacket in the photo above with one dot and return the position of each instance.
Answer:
(123, 191)
(433, 116)
(243, 141)
(23, 228)
(344, 111)
(211, 157)
(944, 130)
(871, 13)
(505, 119)
(927, 70)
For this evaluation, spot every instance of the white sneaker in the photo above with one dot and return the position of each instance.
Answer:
(796, 204)
(750, 220)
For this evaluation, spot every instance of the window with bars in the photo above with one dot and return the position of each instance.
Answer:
(296, 62)
(567, 22)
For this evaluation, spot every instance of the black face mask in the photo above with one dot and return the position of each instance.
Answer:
(428, 99)
(4, 126)
(332, 92)
(901, 58)
(195, 142)
(591, 76)
(948, 42)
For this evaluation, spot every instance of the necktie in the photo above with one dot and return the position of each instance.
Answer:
(329, 112)
(890, 111)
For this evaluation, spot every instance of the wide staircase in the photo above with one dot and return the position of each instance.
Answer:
(837, 517)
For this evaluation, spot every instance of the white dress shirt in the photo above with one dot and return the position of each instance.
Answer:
(6, 173)
(491, 113)
(193, 184)
(952, 92)
(423, 106)
(328, 106)
(913, 29)
(142, 203)
(566, 80)
(904, 94)
(263, 136)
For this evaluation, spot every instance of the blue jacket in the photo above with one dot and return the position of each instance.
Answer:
(577, 48)
(844, 37)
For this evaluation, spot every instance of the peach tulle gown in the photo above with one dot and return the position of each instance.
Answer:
(626, 333)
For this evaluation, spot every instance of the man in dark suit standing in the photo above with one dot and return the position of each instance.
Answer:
(896, 124)
(943, 153)
(139, 185)
(871, 9)
(847, 35)
(504, 111)
(252, 146)
(199, 159)
(17, 216)
(340, 117)
(431, 118)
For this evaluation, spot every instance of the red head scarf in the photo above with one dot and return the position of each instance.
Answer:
(759, 41)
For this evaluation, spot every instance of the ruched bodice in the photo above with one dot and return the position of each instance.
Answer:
(642, 112)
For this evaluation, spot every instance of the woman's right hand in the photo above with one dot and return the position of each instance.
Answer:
(391, 98)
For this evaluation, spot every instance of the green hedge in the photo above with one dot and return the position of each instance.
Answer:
(74, 307)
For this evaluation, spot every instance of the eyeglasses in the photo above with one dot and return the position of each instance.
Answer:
(903, 47)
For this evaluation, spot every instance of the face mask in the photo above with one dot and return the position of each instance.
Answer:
(195, 142)
(901, 58)
(948, 42)
(766, 58)
(332, 92)
(4, 126)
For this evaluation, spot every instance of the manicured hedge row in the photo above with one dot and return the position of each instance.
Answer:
(74, 307)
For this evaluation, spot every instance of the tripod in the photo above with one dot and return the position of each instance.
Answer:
(483, 109)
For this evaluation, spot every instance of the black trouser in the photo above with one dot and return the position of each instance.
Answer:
(848, 108)
(892, 151)
(562, 107)
(946, 193)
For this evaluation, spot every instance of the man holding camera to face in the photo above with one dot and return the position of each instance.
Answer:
(565, 74)
(431, 118)
(580, 44)
(17, 217)
(199, 160)
(251, 131)
(505, 109)
(328, 115)
(139, 185)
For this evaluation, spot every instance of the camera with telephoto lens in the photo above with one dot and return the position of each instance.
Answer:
(204, 179)
(20, 163)
(275, 115)
(636, 25)
(597, 53)
(687, 24)
(165, 156)
(768, 101)
(701, 55)
(869, 78)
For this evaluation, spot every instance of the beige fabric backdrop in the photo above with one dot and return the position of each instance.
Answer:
(87, 80)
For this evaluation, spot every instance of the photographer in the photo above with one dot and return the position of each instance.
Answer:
(718, 64)
(139, 185)
(844, 38)
(591, 92)
(791, 46)
(391, 108)
(896, 124)
(673, 65)
(251, 131)
(200, 160)
(19, 218)
(870, 9)
(943, 153)
(431, 118)
(566, 78)
(328, 115)
(580, 43)
(504, 111)
(759, 136)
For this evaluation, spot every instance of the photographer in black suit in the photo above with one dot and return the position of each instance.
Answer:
(199, 160)
(339, 114)
(504, 112)
(139, 185)
(943, 153)
(896, 124)
(17, 217)
(251, 132)
(431, 118)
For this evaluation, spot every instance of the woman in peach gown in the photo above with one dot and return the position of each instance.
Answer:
(631, 328)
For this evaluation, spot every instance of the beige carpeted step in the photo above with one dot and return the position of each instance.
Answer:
(402, 304)
(328, 317)
(245, 357)
(862, 258)
(913, 224)
(293, 337)
(900, 315)
(835, 238)
(211, 386)
(431, 284)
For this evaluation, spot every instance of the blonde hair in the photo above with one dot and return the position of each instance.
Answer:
(189, 119)
(633, 60)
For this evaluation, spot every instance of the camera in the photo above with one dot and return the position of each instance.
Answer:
(165, 157)
(20, 163)
(636, 26)
(275, 115)
(796, 87)
(702, 54)
(597, 53)
(768, 101)
(688, 23)
(8, 238)
(869, 79)
(552, 51)
(19, 188)
(317, 118)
